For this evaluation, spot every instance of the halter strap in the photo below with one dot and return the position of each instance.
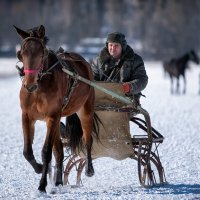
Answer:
(31, 71)
(33, 38)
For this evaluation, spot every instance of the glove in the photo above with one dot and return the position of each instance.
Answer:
(126, 87)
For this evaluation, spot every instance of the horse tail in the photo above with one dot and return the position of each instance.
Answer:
(74, 131)
(96, 122)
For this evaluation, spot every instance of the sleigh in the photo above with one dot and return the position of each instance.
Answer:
(116, 139)
(45, 86)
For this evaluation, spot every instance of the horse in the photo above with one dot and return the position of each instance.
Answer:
(176, 68)
(47, 93)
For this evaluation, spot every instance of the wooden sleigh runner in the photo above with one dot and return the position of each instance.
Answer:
(116, 140)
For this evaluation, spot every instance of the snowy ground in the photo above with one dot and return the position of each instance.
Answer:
(176, 117)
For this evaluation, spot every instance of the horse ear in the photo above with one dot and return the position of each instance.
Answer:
(22, 33)
(41, 31)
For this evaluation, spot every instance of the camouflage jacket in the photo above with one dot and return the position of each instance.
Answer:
(130, 68)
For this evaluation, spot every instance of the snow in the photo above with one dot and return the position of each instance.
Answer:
(176, 117)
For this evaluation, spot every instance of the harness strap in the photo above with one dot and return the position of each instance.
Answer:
(48, 70)
(72, 80)
(69, 92)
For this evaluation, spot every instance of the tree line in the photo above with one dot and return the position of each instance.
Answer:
(165, 28)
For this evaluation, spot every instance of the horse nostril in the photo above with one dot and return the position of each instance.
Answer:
(31, 88)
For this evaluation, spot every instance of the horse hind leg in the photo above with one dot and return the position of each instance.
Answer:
(58, 154)
(184, 84)
(78, 128)
(87, 125)
(177, 86)
(172, 85)
(89, 170)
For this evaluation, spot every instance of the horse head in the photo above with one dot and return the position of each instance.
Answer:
(32, 53)
(193, 56)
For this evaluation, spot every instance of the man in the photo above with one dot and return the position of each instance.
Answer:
(117, 62)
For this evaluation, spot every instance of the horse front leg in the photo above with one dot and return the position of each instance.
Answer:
(52, 129)
(28, 131)
(177, 86)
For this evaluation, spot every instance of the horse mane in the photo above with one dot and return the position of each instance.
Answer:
(75, 57)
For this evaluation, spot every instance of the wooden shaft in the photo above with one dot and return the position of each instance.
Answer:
(105, 90)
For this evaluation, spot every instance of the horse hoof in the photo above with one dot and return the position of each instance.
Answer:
(38, 169)
(42, 189)
(59, 183)
(89, 173)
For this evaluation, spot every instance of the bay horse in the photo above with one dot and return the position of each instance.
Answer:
(47, 93)
(176, 68)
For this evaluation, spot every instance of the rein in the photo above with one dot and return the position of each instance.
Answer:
(48, 70)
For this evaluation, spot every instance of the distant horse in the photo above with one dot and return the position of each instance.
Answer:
(176, 67)
(47, 93)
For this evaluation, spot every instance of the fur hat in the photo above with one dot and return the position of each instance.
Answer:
(118, 38)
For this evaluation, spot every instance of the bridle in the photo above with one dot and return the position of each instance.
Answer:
(39, 69)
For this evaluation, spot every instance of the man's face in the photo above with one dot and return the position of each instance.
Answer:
(115, 49)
